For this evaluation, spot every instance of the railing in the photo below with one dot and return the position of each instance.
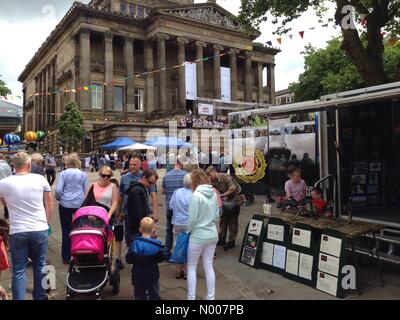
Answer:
(334, 201)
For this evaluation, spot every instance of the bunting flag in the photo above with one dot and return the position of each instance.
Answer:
(291, 36)
(269, 43)
(279, 40)
(301, 34)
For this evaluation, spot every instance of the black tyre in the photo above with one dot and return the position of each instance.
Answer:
(116, 280)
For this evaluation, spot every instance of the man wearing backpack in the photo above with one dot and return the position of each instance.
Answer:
(230, 194)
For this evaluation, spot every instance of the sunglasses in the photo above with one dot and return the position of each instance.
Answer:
(106, 176)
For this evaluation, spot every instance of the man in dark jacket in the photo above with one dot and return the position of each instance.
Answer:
(138, 200)
(145, 253)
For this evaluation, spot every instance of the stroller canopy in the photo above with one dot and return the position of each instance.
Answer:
(92, 211)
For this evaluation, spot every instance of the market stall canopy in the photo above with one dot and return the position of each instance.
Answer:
(119, 143)
(137, 147)
(171, 142)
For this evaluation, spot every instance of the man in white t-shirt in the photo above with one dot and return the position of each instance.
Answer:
(30, 204)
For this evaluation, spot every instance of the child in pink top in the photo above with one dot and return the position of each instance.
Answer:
(296, 187)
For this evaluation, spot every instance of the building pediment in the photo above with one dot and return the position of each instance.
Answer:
(212, 14)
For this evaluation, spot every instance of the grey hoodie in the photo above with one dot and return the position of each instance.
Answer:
(203, 215)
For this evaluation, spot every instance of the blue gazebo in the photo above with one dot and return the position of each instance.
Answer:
(168, 142)
(119, 143)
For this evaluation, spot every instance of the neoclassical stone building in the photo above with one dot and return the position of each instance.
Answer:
(108, 43)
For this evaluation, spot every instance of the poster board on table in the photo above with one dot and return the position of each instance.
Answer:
(250, 252)
(331, 259)
(274, 246)
(302, 254)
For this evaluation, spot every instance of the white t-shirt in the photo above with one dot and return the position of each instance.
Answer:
(24, 197)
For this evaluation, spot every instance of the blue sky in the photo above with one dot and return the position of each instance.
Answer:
(26, 24)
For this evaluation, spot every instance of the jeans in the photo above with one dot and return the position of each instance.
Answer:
(206, 251)
(151, 292)
(169, 235)
(51, 176)
(26, 245)
(66, 215)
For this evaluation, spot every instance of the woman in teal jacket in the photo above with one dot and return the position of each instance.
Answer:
(203, 217)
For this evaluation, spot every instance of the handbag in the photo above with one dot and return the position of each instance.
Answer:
(4, 264)
(90, 200)
(179, 256)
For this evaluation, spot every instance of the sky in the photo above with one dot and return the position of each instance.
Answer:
(25, 25)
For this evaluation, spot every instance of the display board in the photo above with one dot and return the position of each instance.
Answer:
(367, 184)
(274, 246)
(331, 259)
(251, 248)
(302, 255)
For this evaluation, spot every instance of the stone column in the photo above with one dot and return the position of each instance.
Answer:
(181, 77)
(271, 82)
(200, 67)
(130, 72)
(53, 88)
(43, 99)
(149, 61)
(260, 85)
(248, 78)
(234, 80)
(84, 68)
(109, 71)
(50, 96)
(163, 73)
(36, 105)
(217, 71)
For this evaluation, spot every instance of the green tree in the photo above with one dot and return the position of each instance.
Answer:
(3, 88)
(330, 70)
(368, 56)
(71, 127)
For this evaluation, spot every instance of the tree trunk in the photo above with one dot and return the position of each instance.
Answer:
(369, 61)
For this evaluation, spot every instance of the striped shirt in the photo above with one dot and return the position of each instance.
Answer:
(171, 182)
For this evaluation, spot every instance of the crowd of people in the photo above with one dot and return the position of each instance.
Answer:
(195, 200)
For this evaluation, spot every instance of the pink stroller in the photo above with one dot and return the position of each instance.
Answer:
(91, 265)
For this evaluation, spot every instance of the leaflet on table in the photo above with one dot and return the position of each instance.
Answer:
(255, 227)
(306, 266)
(292, 262)
(301, 237)
(331, 245)
(267, 253)
(275, 232)
(327, 283)
(249, 256)
(279, 257)
(328, 264)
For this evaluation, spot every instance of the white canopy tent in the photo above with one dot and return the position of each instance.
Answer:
(137, 147)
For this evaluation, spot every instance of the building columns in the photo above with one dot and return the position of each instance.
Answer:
(200, 67)
(163, 73)
(55, 116)
(260, 85)
(248, 78)
(36, 105)
(181, 77)
(84, 68)
(49, 115)
(149, 62)
(234, 76)
(130, 72)
(217, 71)
(271, 82)
(109, 71)
(43, 101)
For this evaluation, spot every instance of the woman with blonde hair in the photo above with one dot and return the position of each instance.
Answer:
(70, 192)
(202, 226)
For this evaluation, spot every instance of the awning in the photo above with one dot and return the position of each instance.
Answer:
(137, 147)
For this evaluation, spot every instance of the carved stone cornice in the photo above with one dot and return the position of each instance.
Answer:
(182, 40)
(108, 36)
(162, 36)
(218, 47)
(85, 32)
(201, 44)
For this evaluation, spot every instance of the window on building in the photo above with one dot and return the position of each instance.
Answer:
(132, 10)
(139, 99)
(123, 7)
(118, 98)
(97, 96)
(140, 12)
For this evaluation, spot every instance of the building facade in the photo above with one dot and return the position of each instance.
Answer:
(10, 118)
(124, 50)
(284, 97)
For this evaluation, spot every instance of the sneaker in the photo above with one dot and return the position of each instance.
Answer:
(229, 245)
(119, 264)
(221, 242)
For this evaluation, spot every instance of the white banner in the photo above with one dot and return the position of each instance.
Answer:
(191, 81)
(225, 84)
(205, 109)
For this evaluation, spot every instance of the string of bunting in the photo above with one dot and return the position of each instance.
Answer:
(138, 75)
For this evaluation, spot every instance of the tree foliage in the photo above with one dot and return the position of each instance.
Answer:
(71, 127)
(330, 70)
(3, 88)
(367, 56)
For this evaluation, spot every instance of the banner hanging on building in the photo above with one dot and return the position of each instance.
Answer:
(191, 81)
(205, 109)
(225, 84)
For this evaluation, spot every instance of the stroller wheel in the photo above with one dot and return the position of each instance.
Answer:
(116, 280)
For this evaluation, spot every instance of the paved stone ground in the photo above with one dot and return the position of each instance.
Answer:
(234, 281)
